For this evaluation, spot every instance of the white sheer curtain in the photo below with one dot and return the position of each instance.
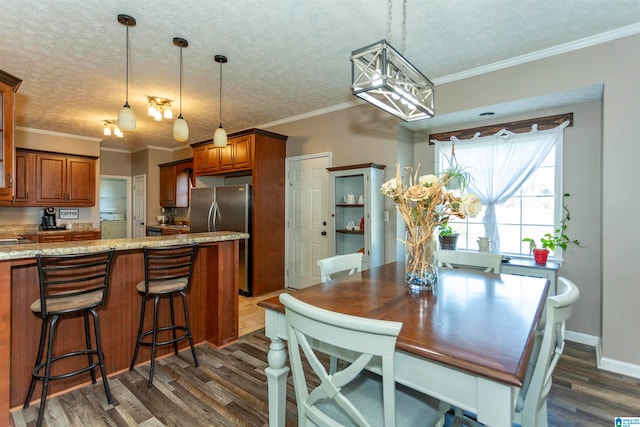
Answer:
(499, 164)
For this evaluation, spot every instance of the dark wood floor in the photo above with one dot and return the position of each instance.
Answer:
(229, 388)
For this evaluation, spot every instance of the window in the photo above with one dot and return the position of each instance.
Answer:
(526, 190)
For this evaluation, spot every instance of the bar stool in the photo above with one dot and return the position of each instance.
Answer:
(70, 286)
(167, 273)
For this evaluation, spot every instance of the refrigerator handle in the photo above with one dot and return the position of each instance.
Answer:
(210, 220)
(216, 217)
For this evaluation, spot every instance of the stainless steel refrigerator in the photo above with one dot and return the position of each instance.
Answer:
(225, 208)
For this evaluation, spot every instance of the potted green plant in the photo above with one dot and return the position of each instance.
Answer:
(448, 238)
(456, 177)
(550, 241)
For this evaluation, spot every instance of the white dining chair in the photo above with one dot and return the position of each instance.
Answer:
(531, 405)
(352, 395)
(490, 262)
(332, 267)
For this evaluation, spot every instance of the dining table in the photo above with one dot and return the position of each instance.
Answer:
(467, 342)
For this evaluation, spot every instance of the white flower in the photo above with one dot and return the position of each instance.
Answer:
(428, 180)
(470, 205)
(417, 193)
(389, 188)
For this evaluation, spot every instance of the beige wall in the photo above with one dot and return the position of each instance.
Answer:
(582, 165)
(602, 202)
(115, 163)
(616, 65)
(59, 143)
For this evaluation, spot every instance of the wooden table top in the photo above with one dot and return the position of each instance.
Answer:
(479, 322)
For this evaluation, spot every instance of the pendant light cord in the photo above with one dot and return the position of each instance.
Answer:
(180, 115)
(220, 93)
(126, 101)
(404, 23)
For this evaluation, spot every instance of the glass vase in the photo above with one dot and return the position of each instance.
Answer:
(421, 259)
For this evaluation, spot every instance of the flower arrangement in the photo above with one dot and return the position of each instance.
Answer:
(425, 203)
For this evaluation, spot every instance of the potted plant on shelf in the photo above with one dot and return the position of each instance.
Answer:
(550, 241)
(448, 239)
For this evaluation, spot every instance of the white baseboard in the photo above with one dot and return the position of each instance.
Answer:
(605, 363)
(623, 368)
(581, 338)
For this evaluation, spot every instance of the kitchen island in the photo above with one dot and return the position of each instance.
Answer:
(213, 306)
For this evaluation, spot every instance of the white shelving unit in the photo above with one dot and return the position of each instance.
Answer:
(360, 180)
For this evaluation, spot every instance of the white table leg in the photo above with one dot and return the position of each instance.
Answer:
(277, 382)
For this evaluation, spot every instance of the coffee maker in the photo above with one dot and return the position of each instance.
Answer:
(48, 219)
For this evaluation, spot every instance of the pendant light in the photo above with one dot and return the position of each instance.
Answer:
(180, 127)
(220, 135)
(126, 116)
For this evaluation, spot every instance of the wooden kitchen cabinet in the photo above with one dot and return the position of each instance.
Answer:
(261, 155)
(206, 159)
(8, 87)
(237, 154)
(24, 183)
(63, 236)
(84, 235)
(175, 180)
(63, 180)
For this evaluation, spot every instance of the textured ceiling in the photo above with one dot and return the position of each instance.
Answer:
(286, 57)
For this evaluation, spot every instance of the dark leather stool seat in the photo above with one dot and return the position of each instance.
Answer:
(168, 272)
(70, 285)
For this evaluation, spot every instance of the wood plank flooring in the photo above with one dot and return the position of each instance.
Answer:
(230, 388)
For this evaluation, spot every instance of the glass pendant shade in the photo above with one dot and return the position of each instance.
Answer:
(127, 119)
(220, 137)
(180, 129)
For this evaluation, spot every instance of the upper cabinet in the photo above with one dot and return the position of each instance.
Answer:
(51, 179)
(236, 156)
(8, 87)
(63, 180)
(175, 183)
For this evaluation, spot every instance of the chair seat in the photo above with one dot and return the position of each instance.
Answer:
(69, 304)
(365, 392)
(163, 286)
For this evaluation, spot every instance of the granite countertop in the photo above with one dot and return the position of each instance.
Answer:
(22, 251)
(171, 226)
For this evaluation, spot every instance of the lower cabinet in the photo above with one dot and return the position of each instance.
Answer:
(66, 236)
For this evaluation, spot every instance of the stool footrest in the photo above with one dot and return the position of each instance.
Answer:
(84, 353)
(164, 328)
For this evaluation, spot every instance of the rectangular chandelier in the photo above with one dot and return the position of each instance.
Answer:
(383, 77)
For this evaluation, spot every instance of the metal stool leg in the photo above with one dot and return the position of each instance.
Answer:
(154, 340)
(173, 325)
(43, 337)
(186, 322)
(103, 371)
(47, 369)
(87, 339)
(139, 339)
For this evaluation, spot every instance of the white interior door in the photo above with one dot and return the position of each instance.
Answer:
(307, 218)
(139, 189)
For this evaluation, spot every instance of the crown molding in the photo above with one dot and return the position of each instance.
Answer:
(607, 36)
(60, 134)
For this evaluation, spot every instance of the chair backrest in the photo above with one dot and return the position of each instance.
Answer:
(365, 337)
(164, 263)
(532, 403)
(74, 275)
(490, 262)
(346, 264)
